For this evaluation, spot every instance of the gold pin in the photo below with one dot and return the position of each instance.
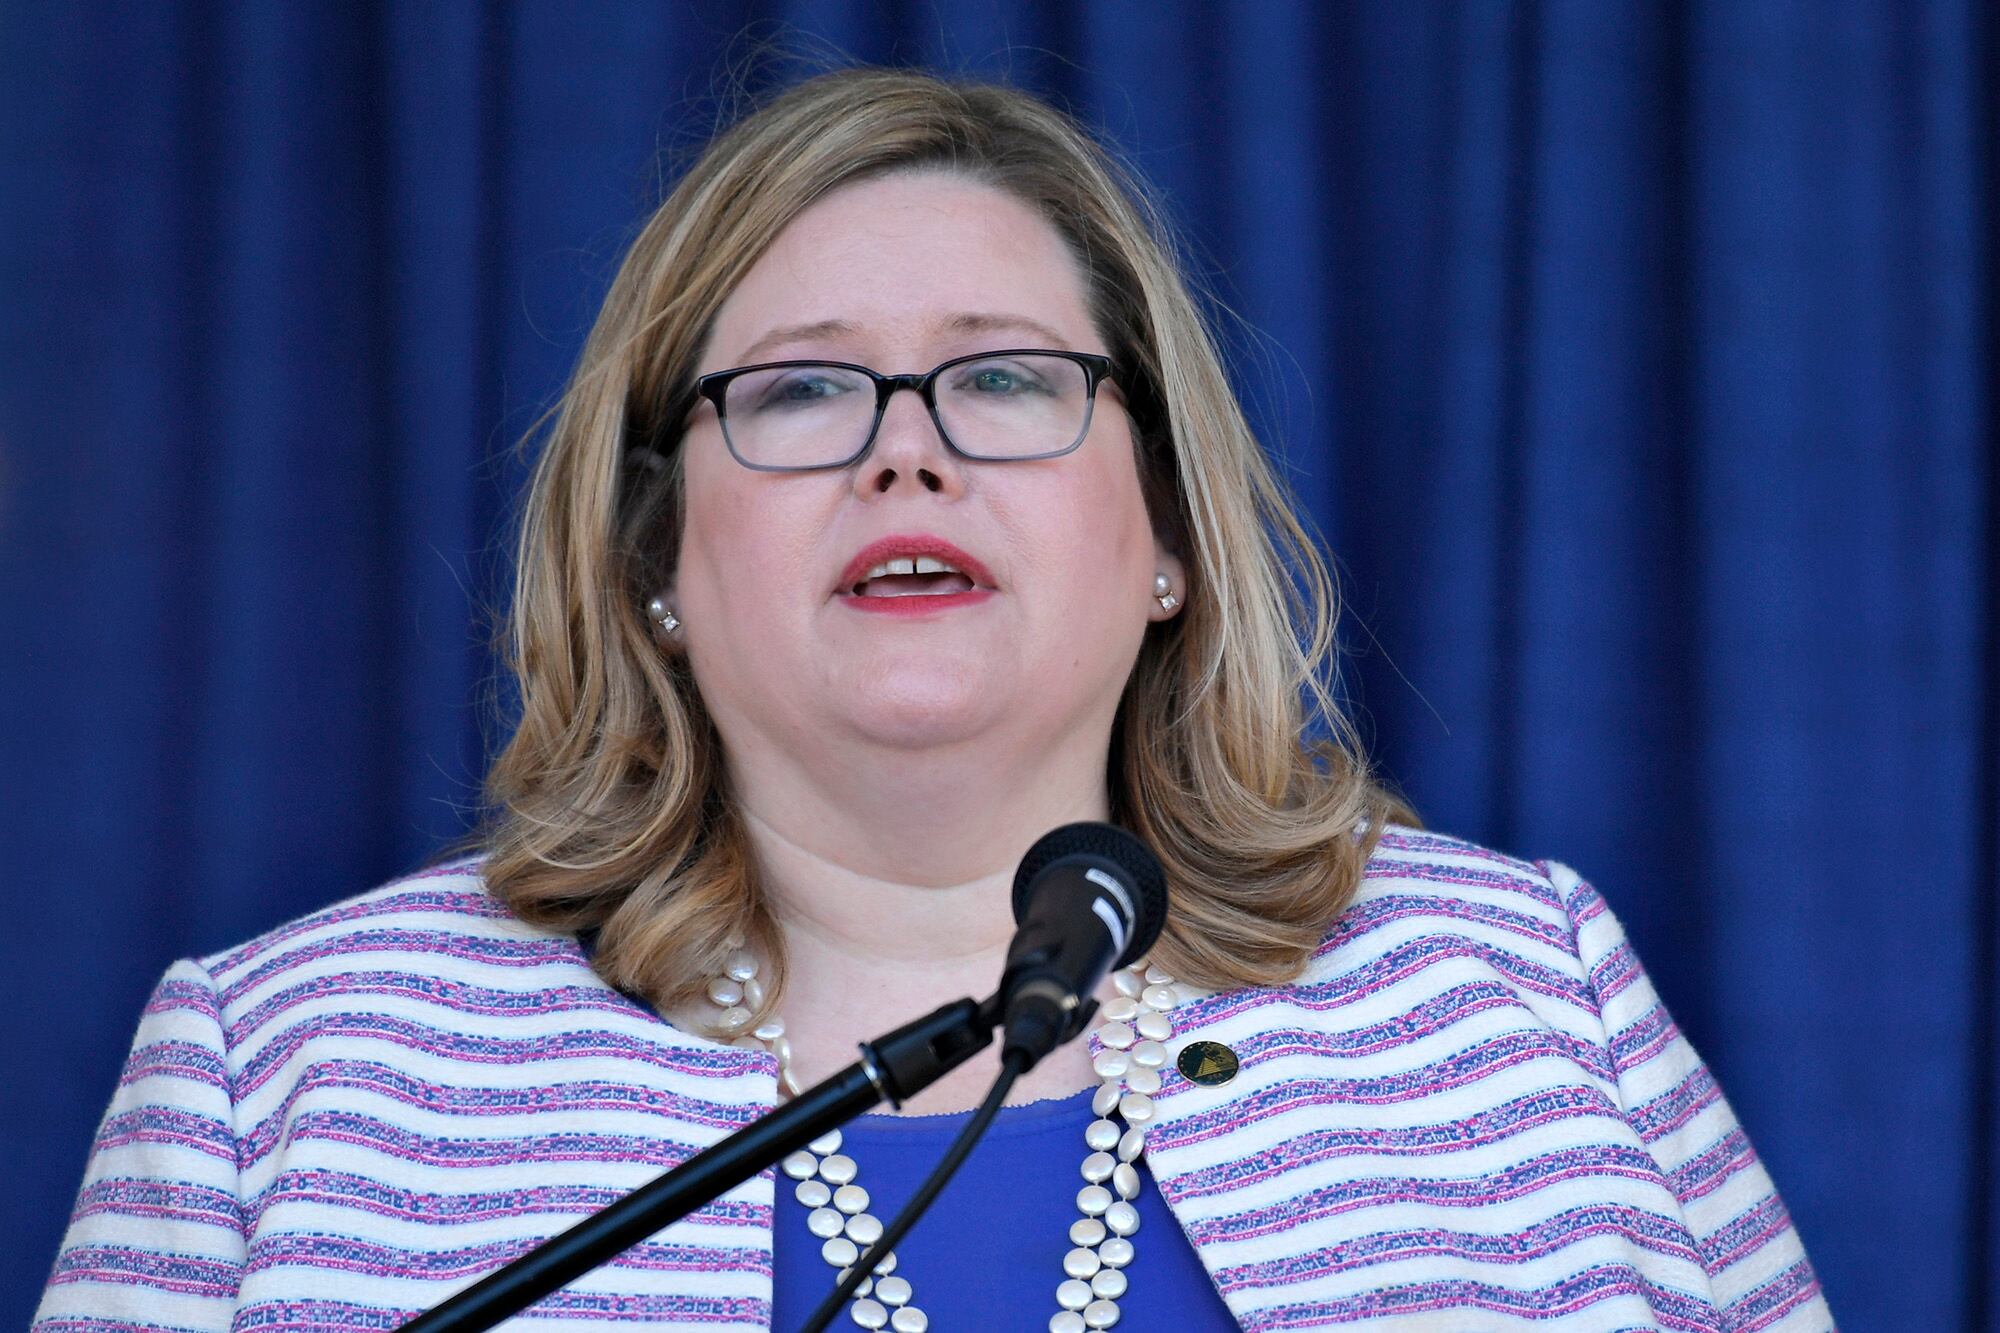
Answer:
(1208, 1063)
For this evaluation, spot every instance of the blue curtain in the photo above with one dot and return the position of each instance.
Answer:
(1636, 362)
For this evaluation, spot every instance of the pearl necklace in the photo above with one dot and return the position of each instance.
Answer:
(1133, 1038)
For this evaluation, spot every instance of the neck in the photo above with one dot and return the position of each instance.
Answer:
(893, 897)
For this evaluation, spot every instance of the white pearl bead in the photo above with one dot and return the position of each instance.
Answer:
(725, 992)
(814, 1193)
(1080, 1263)
(840, 1251)
(741, 965)
(840, 1170)
(770, 1029)
(825, 1223)
(800, 1165)
(781, 1046)
(1132, 1038)
(850, 1199)
(862, 1288)
(1086, 1231)
(753, 992)
(826, 1144)
(748, 1044)
(733, 1019)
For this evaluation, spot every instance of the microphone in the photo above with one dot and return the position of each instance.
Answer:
(1087, 898)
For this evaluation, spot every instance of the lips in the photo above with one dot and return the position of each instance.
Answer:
(914, 567)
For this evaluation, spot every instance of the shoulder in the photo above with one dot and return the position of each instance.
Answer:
(1439, 921)
(1417, 881)
(1453, 883)
(429, 982)
(433, 941)
(443, 908)
(1460, 878)
(1538, 923)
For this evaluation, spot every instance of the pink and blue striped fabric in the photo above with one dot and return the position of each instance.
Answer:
(1471, 1112)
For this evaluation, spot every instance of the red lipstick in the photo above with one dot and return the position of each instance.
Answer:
(909, 546)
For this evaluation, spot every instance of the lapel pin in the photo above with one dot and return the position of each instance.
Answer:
(1208, 1063)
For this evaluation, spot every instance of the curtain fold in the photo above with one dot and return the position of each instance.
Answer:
(1635, 362)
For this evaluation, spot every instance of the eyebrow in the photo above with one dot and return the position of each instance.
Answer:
(971, 322)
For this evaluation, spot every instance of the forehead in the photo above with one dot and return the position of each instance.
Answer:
(905, 264)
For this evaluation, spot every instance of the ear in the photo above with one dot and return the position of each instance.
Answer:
(1167, 563)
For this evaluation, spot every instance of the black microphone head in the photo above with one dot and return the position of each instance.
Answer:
(1111, 849)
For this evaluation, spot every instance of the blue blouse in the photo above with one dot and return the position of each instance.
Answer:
(988, 1254)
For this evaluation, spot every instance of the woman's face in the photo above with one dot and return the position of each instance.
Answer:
(899, 274)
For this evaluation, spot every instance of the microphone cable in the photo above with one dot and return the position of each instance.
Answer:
(1012, 1066)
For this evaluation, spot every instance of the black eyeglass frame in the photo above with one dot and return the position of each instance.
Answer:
(1096, 369)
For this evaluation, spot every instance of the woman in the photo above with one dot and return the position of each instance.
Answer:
(806, 663)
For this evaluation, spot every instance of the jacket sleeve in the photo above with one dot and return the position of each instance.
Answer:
(156, 1240)
(1756, 1264)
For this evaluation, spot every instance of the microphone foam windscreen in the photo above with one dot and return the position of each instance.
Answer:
(1135, 864)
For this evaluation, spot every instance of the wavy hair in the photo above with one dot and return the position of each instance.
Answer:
(608, 808)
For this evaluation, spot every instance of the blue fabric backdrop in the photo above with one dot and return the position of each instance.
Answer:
(1636, 362)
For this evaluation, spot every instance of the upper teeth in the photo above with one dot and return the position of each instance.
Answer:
(922, 564)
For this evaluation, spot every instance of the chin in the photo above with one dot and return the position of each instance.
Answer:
(919, 710)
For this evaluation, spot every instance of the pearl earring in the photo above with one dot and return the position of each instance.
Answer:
(663, 615)
(1163, 592)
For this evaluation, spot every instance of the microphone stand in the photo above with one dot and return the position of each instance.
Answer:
(895, 1067)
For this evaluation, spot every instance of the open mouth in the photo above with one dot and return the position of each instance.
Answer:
(918, 576)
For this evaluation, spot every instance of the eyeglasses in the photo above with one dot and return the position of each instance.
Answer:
(1006, 406)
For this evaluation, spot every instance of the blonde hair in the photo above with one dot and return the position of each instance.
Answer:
(610, 810)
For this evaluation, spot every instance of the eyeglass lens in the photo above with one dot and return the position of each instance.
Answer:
(1016, 405)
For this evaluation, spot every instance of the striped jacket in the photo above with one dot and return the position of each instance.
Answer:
(1471, 1112)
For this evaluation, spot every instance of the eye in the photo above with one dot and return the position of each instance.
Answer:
(997, 379)
(801, 387)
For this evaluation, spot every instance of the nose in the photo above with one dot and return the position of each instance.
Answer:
(908, 452)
